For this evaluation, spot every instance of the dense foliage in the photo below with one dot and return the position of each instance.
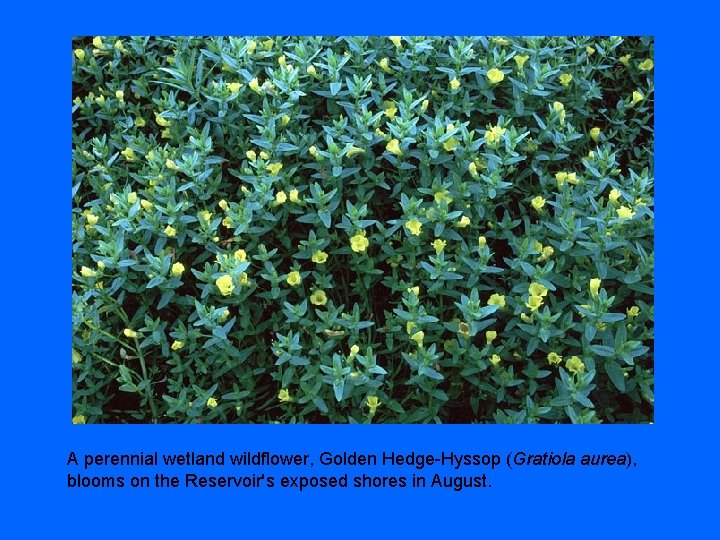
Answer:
(362, 229)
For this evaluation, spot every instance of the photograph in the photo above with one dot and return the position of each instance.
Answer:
(362, 230)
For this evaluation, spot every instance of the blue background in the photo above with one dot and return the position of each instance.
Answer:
(674, 487)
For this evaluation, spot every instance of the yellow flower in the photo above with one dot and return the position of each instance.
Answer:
(390, 109)
(234, 87)
(274, 168)
(534, 302)
(646, 65)
(520, 60)
(464, 329)
(589, 50)
(625, 60)
(240, 255)
(161, 121)
(396, 41)
(614, 195)
(385, 65)
(418, 337)
(575, 365)
(225, 284)
(170, 164)
(97, 42)
(455, 84)
(212, 402)
(414, 226)
(425, 104)
(76, 358)
(147, 205)
(294, 197)
(359, 242)
(557, 106)
(482, 241)
(354, 350)
(554, 358)
(177, 269)
(244, 281)
(254, 85)
(409, 327)
(537, 289)
(280, 197)
(625, 213)
(524, 317)
(132, 197)
(319, 257)
(78, 419)
(490, 335)
(284, 396)
(294, 278)
(547, 252)
(494, 75)
(394, 147)
(312, 71)
(538, 202)
(177, 345)
(120, 95)
(91, 218)
(561, 177)
(595, 133)
(223, 205)
(264, 155)
(373, 403)
(251, 155)
(415, 289)
(463, 222)
(353, 150)
(572, 178)
(318, 298)
(170, 231)
(87, 272)
(129, 154)
(314, 153)
(251, 46)
(633, 312)
(439, 246)
(130, 333)
(496, 300)
(473, 168)
(227, 222)
(493, 134)
(119, 46)
(637, 97)
(79, 54)
(495, 359)
(565, 79)
(595, 286)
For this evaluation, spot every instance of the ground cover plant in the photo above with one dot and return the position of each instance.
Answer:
(362, 229)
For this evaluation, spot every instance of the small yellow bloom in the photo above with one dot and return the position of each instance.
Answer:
(464, 329)
(132, 197)
(463, 222)
(495, 76)
(637, 97)
(534, 302)
(234, 87)
(557, 106)
(415, 289)
(397, 41)
(482, 241)
(537, 289)
(573, 179)
(251, 155)
(353, 150)
(633, 312)
(274, 168)
(294, 278)
(473, 168)
(614, 195)
(394, 147)
(496, 300)
(565, 79)
(225, 284)
(170, 231)
(626, 59)
(318, 298)
(589, 50)
(147, 205)
(646, 65)
(418, 337)
(223, 205)
(359, 242)
(264, 155)
(177, 345)
(493, 134)
(87, 272)
(97, 42)
(390, 109)
(424, 106)
(524, 317)
(595, 133)
(129, 154)
(490, 335)
(538, 202)
(354, 350)
(547, 252)
(79, 54)
(575, 365)
(625, 213)
(294, 196)
(385, 66)
(439, 246)
(312, 71)
(373, 403)
(595, 286)
(284, 396)
(414, 226)
(212, 402)
(130, 333)
(280, 197)
(554, 358)
(161, 121)
(240, 255)
(495, 359)
(177, 269)
(120, 95)
(520, 60)
(78, 419)
(170, 164)
(319, 257)
(409, 327)
(254, 85)
(251, 46)
(119, 46)
(454, 84)
(91, 218)
(101, 265)
(561, 177)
